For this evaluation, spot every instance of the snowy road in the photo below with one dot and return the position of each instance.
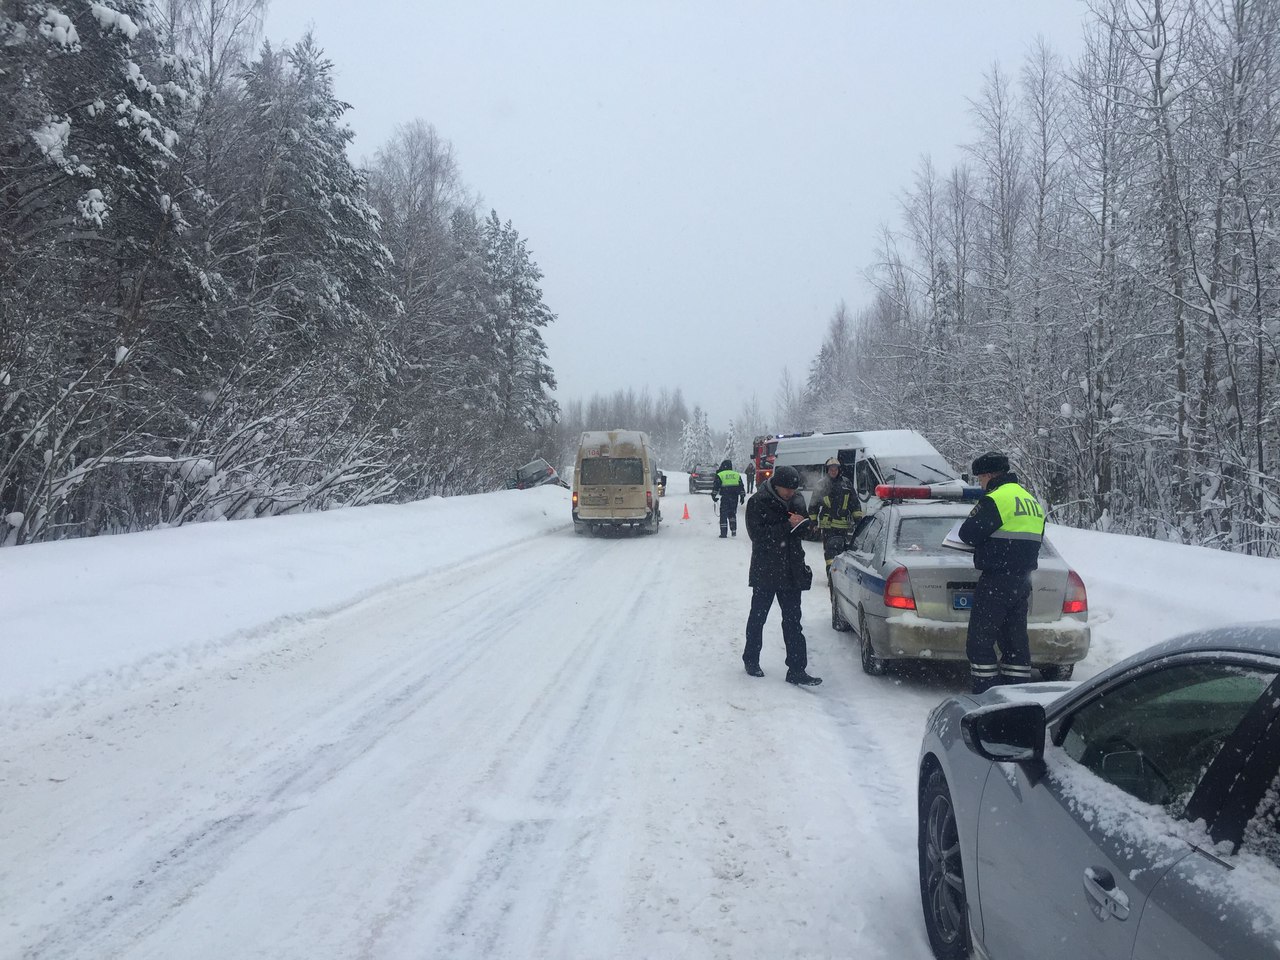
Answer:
(549, 751)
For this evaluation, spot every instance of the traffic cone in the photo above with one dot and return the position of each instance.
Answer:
(686, 512)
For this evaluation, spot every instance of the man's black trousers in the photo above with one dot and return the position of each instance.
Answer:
(729, 515)
(999, 620)
(792, 635)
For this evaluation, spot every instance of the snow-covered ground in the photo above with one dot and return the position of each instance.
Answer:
(453, 729)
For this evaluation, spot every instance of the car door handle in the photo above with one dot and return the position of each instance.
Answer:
(1107, 899)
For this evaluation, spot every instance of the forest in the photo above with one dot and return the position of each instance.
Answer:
(1094, 287)
(207, 311)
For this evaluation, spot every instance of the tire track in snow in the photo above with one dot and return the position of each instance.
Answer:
(506, 888)
(188, 855)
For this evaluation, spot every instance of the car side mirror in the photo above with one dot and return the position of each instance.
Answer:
(1005, 733)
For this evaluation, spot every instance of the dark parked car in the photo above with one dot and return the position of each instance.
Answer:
(535, 473)
(1130, 816)
(701, 478)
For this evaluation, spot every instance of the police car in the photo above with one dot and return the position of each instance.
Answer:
(907, 596)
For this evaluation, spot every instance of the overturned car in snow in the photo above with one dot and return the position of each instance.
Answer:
(535, 473)
(908, 597)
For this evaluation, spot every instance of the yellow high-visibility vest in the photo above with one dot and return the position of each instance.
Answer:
(1021, 516)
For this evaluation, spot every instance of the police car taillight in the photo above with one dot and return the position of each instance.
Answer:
(1077, 599)
(897, 591)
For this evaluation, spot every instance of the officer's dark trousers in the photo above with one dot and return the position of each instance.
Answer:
(792, 635)
(999, 620)
(729, 515)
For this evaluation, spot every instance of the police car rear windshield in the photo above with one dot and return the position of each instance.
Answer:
(612, 470)
(924, 535)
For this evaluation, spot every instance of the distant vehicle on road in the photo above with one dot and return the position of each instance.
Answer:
(1131, 816)
(701, 478)
(907, 597)
(763, 450)
(535, 473)
(878, 456)
(615, 483)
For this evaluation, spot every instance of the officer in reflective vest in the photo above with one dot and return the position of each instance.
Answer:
(1005, 529)
(836, 509)
(728, 489)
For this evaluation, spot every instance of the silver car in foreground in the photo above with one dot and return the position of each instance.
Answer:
(1133, 816)
(908, 597)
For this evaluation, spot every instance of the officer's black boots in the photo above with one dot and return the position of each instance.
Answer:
(802, 679)
(754, 669)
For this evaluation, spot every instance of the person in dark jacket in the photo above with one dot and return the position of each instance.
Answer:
(727, 488)
(1005, 529)
(775, 517)
(749, 476)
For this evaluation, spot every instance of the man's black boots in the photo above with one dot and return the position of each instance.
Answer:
(754, 669)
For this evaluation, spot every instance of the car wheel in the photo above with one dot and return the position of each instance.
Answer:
(942, 893)
(871, 664)
(579, 527)
(838, 622)
(1057, 671)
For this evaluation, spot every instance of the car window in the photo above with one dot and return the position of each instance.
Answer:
(923, 535)
(614, 470)
(1262, 832)
(1155, 736)
(881, 536)
(862, 543)
(864, 479)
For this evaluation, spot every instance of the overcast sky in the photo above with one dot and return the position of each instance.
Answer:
(702, 181)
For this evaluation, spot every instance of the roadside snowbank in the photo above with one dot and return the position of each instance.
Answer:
(80, 615)
(1143, 591)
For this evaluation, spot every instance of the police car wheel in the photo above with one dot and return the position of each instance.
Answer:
(871, 664)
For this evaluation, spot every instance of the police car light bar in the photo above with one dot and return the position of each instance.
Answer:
(887, 491)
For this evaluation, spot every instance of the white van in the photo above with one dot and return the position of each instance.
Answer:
(879, 456)
(615, 482)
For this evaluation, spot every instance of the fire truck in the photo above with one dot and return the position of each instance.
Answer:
(763, 450)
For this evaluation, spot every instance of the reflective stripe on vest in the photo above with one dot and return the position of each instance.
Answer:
(1021, 516)
(729, 478)
(833, 519)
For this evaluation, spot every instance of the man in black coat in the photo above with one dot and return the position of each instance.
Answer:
(775, 517)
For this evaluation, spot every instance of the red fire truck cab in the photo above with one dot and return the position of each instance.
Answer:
(763, 450)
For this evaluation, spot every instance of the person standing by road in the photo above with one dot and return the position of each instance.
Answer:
(727, 488)
(1005, 529)
(749, 476)
(836, 509)
(775, 516)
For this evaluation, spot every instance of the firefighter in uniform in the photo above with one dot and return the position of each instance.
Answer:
(728, 489)
(1005, 530)
(835, 510)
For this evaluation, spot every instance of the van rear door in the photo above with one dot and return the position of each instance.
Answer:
(611, 488)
